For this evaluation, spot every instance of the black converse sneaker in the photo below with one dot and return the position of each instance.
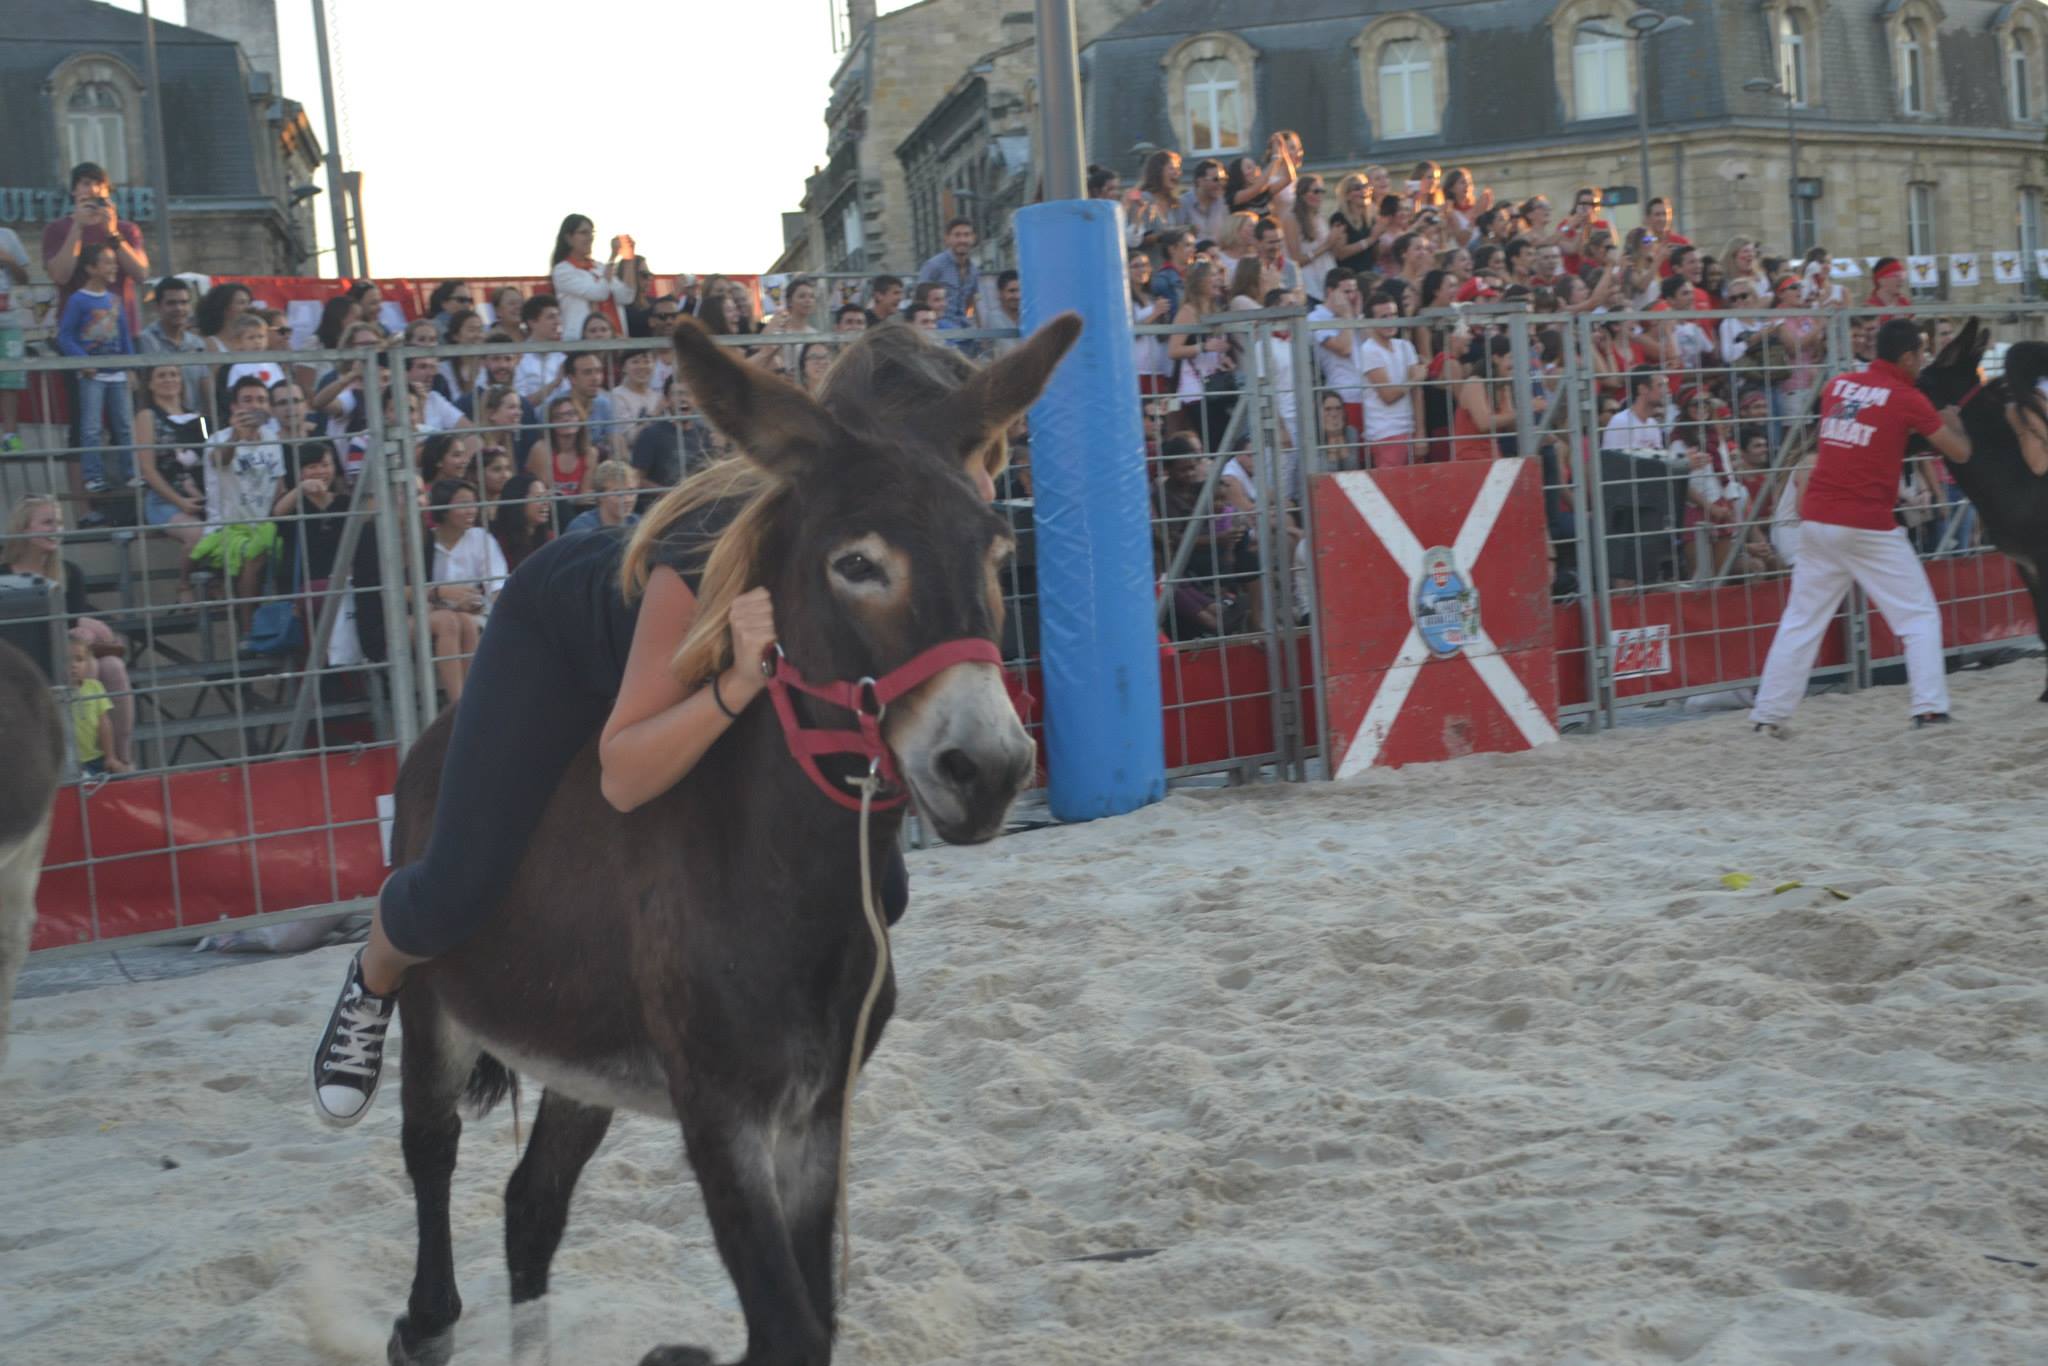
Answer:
(350, 1059)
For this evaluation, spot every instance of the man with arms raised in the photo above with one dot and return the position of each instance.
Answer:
(1848, 534)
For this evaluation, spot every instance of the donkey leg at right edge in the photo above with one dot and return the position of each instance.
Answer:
(734, 1157)
(565, 1134)
(432, 1073)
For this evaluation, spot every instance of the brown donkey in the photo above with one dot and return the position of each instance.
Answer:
(705, 957)
(31, 761)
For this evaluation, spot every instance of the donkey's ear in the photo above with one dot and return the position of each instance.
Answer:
(777, 425)
(1961, 348)
(1001, 391)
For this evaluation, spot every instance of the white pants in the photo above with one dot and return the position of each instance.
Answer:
(1883, 564)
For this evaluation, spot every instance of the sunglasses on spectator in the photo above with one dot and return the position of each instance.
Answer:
(462, 299)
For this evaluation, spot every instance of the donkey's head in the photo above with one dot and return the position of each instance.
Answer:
(885, 545)
(1953, 372)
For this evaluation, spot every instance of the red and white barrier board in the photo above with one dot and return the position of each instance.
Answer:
(1434, 587)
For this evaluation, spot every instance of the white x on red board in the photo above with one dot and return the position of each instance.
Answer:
(1386, 523)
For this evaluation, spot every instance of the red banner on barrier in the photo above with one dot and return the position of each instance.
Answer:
(136, 882)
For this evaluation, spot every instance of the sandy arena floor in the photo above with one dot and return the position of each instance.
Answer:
(1478, 1063)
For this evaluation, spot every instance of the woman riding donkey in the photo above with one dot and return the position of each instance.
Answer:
(588, 639)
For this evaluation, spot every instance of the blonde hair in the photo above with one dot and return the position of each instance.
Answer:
(610, 476)
(48, 563)
(1240, 235)
(876, 386)
(1354, 181)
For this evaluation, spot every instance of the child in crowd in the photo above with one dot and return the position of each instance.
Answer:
(92, 716)
(615, 483)
(95, 324)
(243, 470)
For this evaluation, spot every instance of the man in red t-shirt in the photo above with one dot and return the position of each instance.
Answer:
(93, 220)
(1657, 223)
(1848, 534)
(1888, 286)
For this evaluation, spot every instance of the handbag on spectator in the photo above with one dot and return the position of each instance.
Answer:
(274, 627)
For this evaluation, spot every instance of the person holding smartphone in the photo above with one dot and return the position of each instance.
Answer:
(94, 219)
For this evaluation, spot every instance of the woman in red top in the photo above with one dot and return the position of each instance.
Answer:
(564, 457)
(1483, 401)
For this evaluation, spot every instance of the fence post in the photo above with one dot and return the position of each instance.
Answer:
(1594, 495)
(393, 493)
(1104, 719)
(1308, 439)
(1581, 411)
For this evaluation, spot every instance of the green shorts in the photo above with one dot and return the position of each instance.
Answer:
(234, 545)
(12, 349)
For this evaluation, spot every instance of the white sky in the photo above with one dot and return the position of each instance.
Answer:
(690, 124)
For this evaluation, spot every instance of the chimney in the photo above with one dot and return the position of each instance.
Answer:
(250, 23)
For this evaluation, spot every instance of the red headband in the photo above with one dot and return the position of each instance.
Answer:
(1888, 269)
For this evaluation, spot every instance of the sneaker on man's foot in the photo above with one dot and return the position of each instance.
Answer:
(350, 1059)
(1772, 729)
(1930, 718)
(97, 486)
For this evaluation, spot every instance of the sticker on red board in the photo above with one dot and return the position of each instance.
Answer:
(1640, 651)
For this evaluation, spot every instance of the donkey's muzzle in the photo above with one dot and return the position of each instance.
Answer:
(965, 754)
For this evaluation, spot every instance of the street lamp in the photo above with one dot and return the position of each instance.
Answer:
(1764, 85)
(1644, 25)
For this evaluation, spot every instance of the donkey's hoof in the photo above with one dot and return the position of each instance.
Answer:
(678, 1356)
(408, 1347)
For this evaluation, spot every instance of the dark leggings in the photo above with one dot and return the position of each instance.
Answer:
(532, 701)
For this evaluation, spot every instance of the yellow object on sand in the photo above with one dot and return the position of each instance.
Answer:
(1735, 882)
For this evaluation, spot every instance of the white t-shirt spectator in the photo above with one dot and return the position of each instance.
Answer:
(1396, 355)
(12, 250)
(1339, 372)
(437, 414)
(1695, 347)
(582, 288)
(246, 488)
(1736, 334)
(475, 559)
(1627, 432)
(538, 371)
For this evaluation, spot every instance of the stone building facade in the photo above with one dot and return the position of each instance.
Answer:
(930, 117)
(240, 156)
(1920, 124)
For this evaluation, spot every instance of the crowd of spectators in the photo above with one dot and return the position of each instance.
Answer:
(1708, 401)
(248, 465)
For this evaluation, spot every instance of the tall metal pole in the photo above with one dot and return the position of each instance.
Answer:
(1061, 154)
(1792, 171)
(337, 197)
(165, 260)
(1643, 114)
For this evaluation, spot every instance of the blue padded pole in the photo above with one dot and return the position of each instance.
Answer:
(1104, 728)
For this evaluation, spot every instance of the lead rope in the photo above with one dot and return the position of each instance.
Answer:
(860, 1025)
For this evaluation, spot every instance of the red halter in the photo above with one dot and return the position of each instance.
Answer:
(868, 700)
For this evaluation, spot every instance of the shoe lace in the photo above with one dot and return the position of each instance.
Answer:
(358, 1039)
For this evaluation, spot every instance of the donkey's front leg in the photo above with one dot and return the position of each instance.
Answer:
(734, 1155)
(565, 1134)
(431, 1084)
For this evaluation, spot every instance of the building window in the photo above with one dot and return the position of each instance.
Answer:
(1792, 55)
(1805, 227)
(1209, 86)
(1403, 72)
(1407, 94)
(1913, 67)
(2019, 74)
(1600, 72)
(96, 127)
(2030, 224)
(1215, 114)
(92, 98)
(1920, 219)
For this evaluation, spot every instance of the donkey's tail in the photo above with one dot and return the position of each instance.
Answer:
(489, 1081)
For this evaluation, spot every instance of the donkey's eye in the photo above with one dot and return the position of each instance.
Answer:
(855, 567)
